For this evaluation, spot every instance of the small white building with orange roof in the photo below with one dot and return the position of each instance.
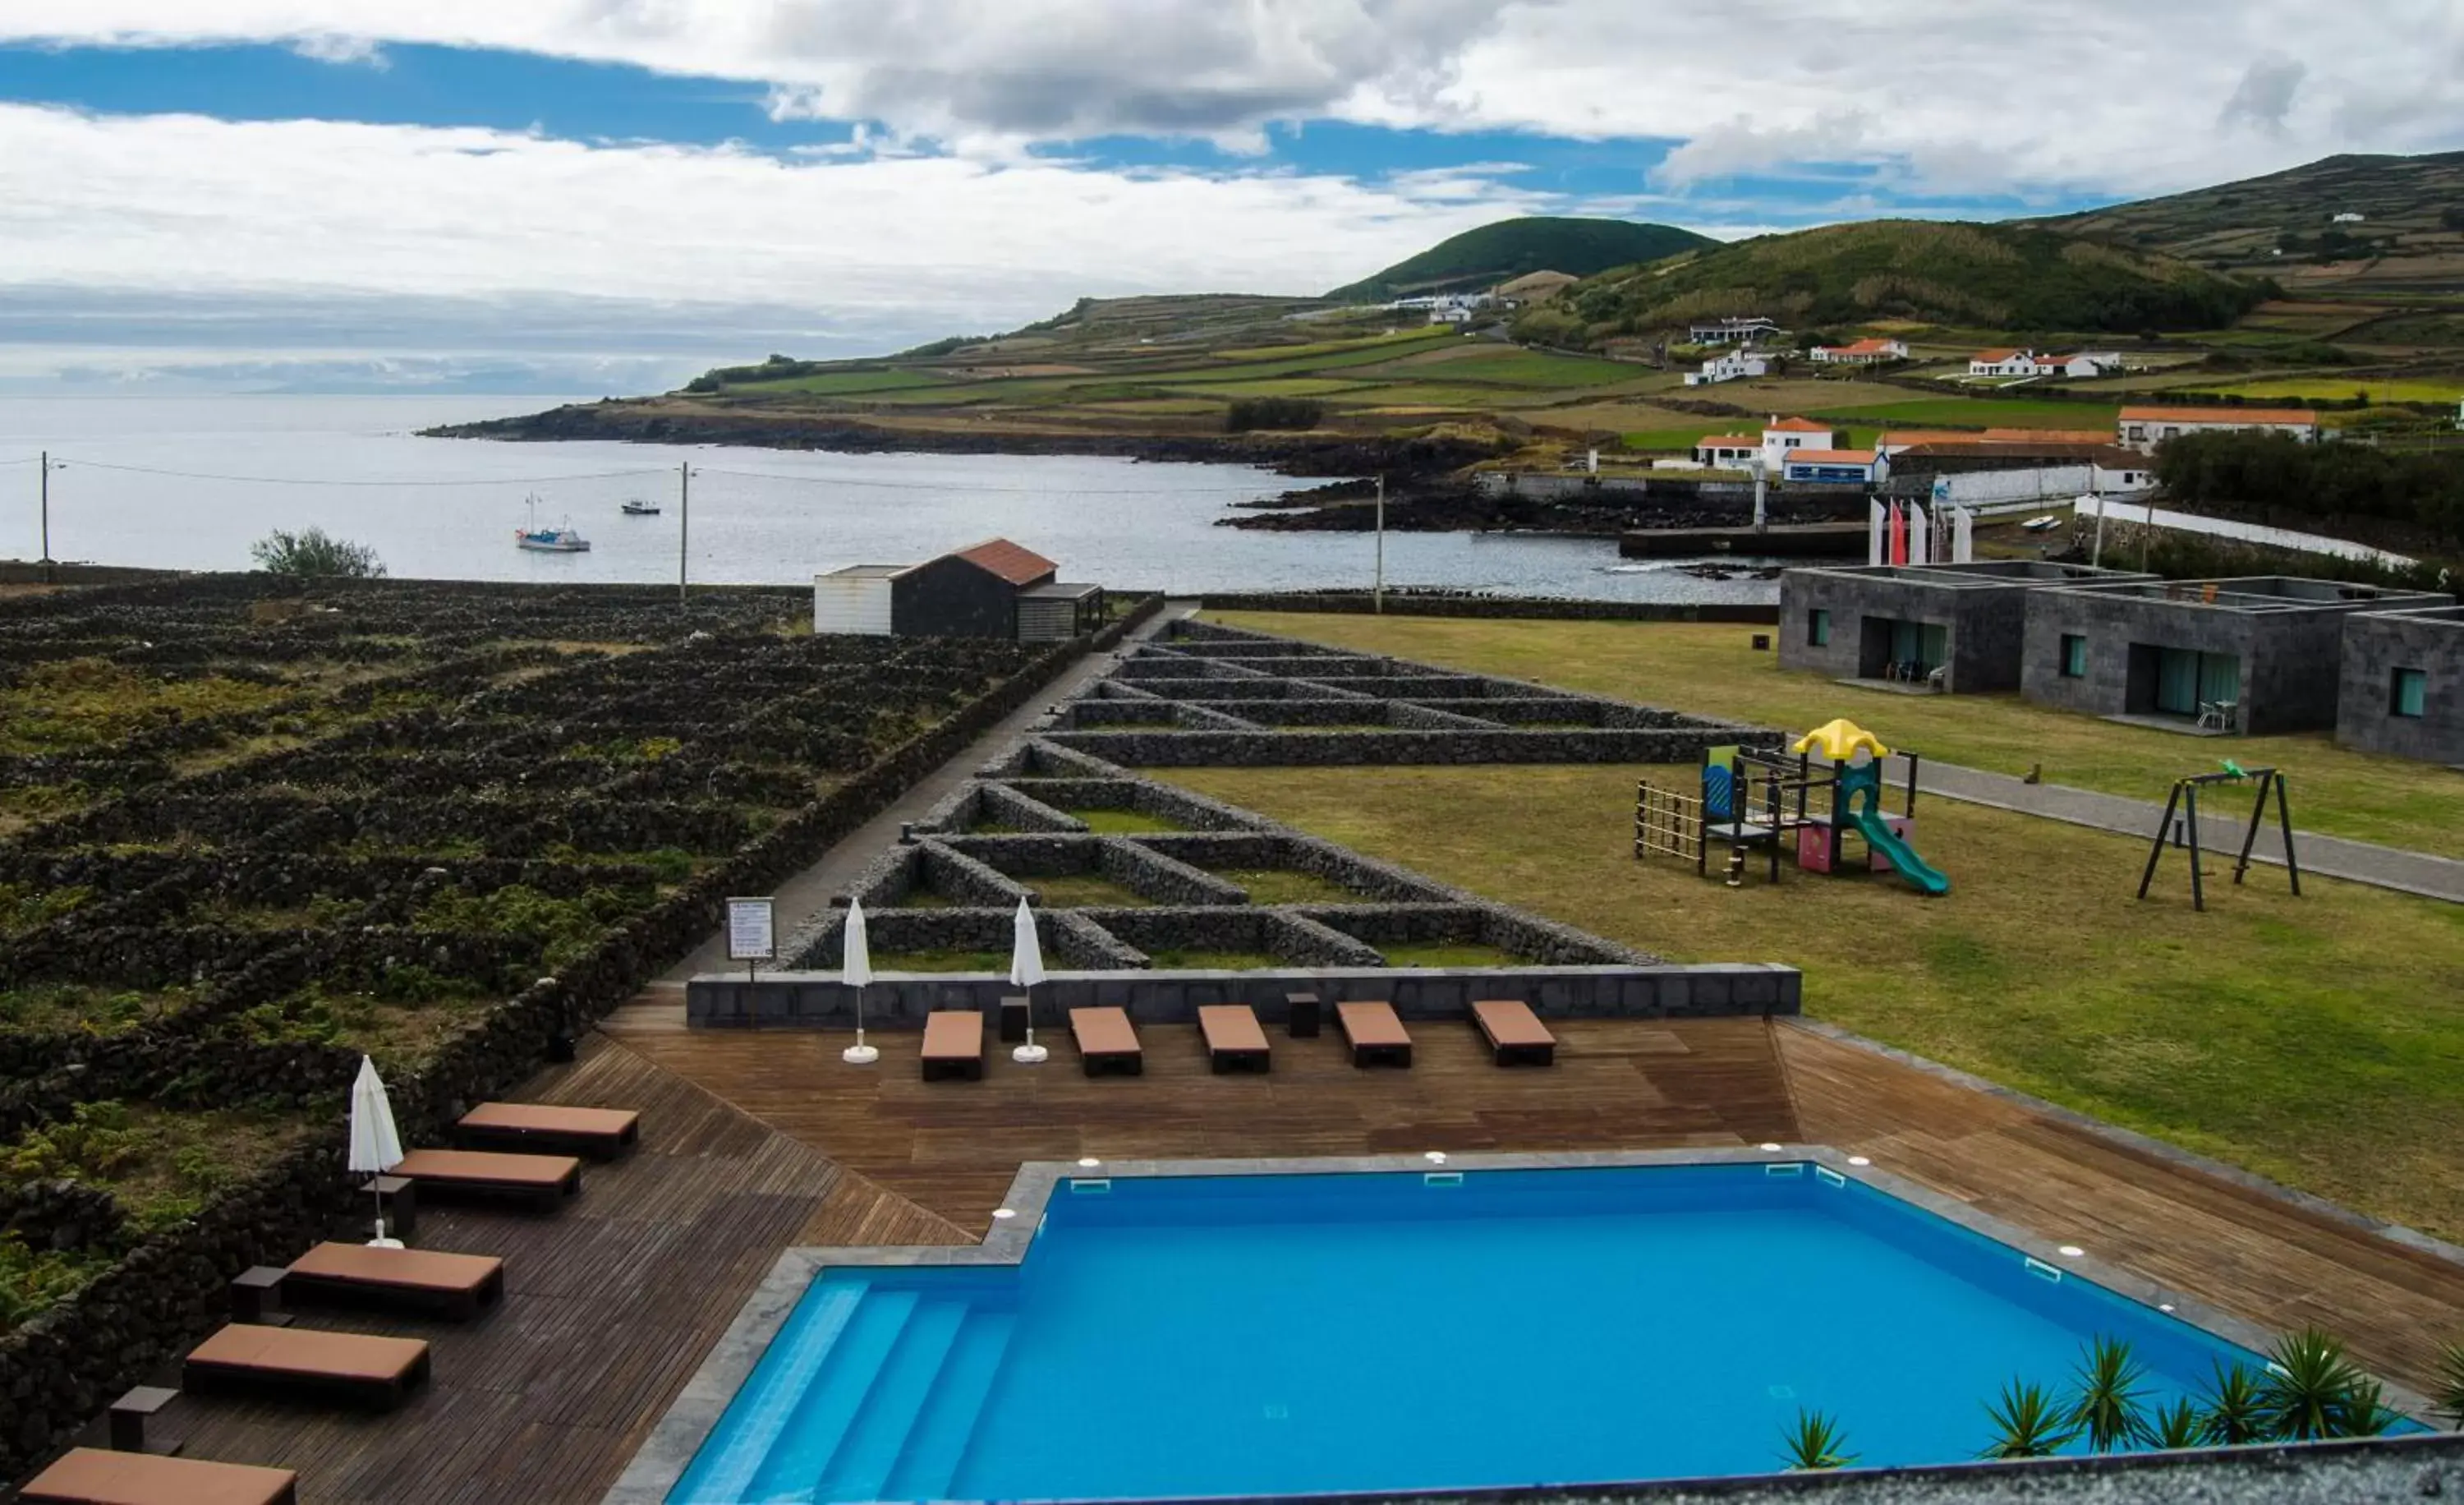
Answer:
(1859, 352)
(2143, 429)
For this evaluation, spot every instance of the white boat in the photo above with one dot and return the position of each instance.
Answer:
(564, 539)
(636, 507)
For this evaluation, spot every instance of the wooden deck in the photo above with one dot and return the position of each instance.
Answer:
(609, 1307)
(954, 1146)
(754, 1142)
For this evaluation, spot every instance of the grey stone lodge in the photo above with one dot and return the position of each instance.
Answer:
(2258, 654)
(1956, 628)
(2402, 689)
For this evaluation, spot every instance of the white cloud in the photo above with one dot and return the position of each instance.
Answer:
(330, 47)
(2119, 96)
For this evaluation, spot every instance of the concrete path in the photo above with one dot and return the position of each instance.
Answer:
(2223, 817)
(808, 893)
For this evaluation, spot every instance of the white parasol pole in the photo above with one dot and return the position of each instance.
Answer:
(855, 969)
(1025, 970)
(375, 1145)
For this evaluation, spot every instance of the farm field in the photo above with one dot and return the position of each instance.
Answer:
(246, 838)
(2318, 1041)
(1710, 669)
(1985, 413)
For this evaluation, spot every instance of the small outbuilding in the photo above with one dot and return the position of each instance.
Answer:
(2402, 689)
(1956, 628)
(996, 589)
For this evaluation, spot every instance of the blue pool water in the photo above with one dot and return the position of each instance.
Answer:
(1298, 1333)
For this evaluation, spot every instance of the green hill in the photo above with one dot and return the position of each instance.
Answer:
(1990, 276)
(1494, 254)
(2411, 208)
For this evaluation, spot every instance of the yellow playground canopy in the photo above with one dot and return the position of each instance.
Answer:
(1838, 741)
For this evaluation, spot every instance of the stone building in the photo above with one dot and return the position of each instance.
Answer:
(2402, 689)
(1905, 621)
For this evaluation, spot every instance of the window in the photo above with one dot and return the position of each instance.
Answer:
(2073, 657)
(2411, 690)
(1817, 628)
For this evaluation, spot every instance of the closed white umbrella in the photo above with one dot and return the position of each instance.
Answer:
(375, 1145)
(855, 969)
(1025, 970)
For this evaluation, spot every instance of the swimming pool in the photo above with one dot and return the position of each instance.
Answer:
(1295, 1334)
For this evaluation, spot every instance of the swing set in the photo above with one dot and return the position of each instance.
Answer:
(2184, 801)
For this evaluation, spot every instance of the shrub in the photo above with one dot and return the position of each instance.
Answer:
(1273, 412)
(314, 553)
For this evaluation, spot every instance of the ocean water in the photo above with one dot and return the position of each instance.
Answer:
(190, 482)
(1281, 1335)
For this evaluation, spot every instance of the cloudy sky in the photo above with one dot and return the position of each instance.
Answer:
(607, 195)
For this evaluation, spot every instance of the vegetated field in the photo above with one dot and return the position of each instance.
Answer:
(847, 383)
(1508, 366)
(250, 838)
(2318, 1040)
(2327, 385)
(1711, 669)
(2014, 413)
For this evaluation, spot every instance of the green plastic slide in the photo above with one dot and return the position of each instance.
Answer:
(1880, 836)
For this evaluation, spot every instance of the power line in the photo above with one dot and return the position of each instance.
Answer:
(309, 480)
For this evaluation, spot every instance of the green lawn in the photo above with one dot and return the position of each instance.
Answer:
(1449, 952)
(1714, 670)
(1125, 823)
(1087, 891)
(2317, 1040)
(830, 384)
(1288, 886)
(2380, 390)
(2011, 413)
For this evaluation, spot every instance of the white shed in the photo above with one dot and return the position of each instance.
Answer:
(854, 600)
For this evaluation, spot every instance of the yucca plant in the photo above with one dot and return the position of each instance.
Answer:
(2180, 1425)
(2232, 1408)
(2107, 1402)
(2027, 1424)
(1814, 1443)
(2449, 1401)
(2309, 1390)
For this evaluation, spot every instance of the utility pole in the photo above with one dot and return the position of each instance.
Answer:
(1377, 596)
(684, 522)
(45, 465)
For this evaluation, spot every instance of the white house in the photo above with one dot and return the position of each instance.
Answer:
(1730, 367)
(1728, 450)
(1861, 352)
(1730, 331)
(2002, 363)
(2084, 364)
(2348, 217)
(1851, 467)
(2143, 429)
(1450, 316)
(1783, 435)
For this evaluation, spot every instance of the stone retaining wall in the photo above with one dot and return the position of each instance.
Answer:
(1410, 604)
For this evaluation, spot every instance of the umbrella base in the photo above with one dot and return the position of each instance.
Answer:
(1030, 1055)
(860, 1054)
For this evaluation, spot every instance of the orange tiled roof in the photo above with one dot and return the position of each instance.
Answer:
(1798, 425)
(1018, 566)
(1832, 456)
(1728, 441)
(2218, 416)
(1867, 347)
(2043, 437)
(1997, 357)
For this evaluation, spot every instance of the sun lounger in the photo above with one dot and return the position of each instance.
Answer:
(954, 1044)
(601, 1133)
(457, 1286)
(1376, 1037)
(93, 1476)
(1515, 1035)
(1106, 1042)
(307, 1363)
(1234, 1041)
(542, 1181)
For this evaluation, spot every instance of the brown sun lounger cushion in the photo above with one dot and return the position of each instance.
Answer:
(1234, 1040)
(93, 1476)
(1375, 1035)
(308, 1362)
(545, 1180)
(1515, 1035)
(602, 1133)
(457, 1285)
(1107, 1041)
(954, 1044)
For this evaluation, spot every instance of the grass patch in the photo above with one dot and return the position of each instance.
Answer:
(76, 1008)
(33, 1281)
(840, 383)
(402, 1026)
(161, 1164)
(1087, 891)
(1176, 961)
(1989, 412)
(925, 898)
(86, 703)
(941, 960)
(1711, 669)
(2379, 389)
(1288, 886)
(2317, 1040)
(1126, 823)
(1450, 953)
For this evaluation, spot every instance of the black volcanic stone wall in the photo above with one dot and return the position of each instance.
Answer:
(1400, 602)
(1330, 749)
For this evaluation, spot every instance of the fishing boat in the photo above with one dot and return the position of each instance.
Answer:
(636, 507)
(564, 539)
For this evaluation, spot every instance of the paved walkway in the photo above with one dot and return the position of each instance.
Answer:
(2222, 819)
(808, 893)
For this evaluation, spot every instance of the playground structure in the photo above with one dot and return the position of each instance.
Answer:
(2185, 799)
(1749, 800)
